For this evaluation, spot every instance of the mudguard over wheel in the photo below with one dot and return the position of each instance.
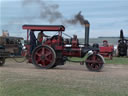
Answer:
(94, 62)
(2, 61)
(44, 57)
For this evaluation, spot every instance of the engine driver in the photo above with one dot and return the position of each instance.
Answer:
(40, 37)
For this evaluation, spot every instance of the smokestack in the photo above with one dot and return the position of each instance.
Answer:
(121, 35)
(87, 26)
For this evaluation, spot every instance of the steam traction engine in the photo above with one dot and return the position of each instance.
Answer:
(55, 50)
(122, 45)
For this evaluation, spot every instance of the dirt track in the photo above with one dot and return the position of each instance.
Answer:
(108, 69)
(112, 81)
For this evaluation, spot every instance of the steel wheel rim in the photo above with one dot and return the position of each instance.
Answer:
(94, 65)
(97, 63)
(44, 57)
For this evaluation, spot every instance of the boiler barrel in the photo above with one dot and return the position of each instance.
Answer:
(75, 52)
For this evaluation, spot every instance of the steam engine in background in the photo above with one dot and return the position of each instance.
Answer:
(122, 45)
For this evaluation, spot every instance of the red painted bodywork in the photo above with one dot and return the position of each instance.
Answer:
(73, 51)
(74, 43)
(54, 50)
(106, 51)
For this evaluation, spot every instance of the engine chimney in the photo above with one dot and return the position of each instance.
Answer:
(121, 35)
(87, 26)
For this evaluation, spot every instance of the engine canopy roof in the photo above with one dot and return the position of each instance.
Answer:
(44, 27)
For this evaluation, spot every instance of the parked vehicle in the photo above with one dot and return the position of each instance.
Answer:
(122, 48)
(107, 50)
(10, 47)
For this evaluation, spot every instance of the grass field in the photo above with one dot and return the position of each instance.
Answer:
(115, 60)
(71, 79)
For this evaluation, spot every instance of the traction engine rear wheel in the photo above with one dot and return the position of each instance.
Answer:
(44, 57)
(2, 61)
(94, 63)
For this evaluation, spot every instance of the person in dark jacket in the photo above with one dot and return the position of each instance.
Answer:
(32, 41)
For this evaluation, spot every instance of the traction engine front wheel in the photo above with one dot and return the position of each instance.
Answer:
(94, 62)
(44, 57)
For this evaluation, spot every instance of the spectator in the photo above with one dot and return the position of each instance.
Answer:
(105, 43)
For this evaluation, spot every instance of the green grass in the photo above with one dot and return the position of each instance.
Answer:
(96, 85)
(115, 60)
(35, 82)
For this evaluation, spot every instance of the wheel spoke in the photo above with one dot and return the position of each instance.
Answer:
(48, 53)
(44, 57)
(38, 54)
(43, 63)
(43, 51)
(96, 66)
(94, 58)
(94, 63)
(38, 59)
(48, 59)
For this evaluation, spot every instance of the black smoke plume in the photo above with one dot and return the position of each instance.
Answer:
(51, 13)
(78, 18)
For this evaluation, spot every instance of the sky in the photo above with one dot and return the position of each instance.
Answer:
(106, 17)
